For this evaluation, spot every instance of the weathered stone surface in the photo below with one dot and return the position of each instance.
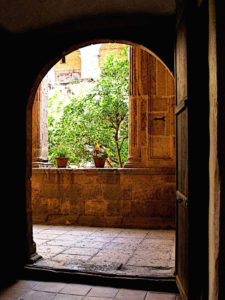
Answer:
(40, 124)
(137, 252)
(94, 208)
(151, 112)
(142, 198)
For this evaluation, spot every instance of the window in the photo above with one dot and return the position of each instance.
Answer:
(63, 60)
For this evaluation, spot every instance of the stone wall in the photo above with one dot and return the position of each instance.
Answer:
(72, 62)
(108, 48)
(72, 67)
(151, 112)
(135, 198)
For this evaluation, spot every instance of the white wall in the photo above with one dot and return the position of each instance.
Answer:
(89, 61)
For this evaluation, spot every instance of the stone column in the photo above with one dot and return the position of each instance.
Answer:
(40, 126)
(134, 150)
(151, 112)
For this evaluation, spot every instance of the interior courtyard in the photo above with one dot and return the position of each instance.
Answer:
(134, 206)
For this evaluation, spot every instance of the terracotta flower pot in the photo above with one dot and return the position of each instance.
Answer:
(62, 162)
(99, 162)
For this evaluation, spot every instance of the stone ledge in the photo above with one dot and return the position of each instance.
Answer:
(107, 171)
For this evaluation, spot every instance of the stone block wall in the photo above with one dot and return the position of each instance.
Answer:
(72, 62)
(129, 198)
(152, 134)
(107, 48)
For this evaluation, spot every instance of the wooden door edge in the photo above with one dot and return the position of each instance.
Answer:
(180, 288)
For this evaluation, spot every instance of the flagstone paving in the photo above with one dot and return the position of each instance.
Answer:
(130, 252)
(40, 290)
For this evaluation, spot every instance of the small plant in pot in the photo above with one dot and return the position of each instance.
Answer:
(62, 154)
(99, 155)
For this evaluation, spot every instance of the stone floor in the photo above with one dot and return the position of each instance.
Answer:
(130, 252)
(39, 290)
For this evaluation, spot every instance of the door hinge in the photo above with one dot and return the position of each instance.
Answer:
(181, 199)
(181, 106)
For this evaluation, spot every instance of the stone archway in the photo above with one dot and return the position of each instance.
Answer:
(153, 106)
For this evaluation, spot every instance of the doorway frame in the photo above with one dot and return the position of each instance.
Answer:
(168, 283)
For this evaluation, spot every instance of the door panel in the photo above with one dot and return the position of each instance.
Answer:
(192, 125)
(182, 217)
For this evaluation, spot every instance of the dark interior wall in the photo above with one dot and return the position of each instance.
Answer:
(26, 14)
(23, 56)
(198, 157)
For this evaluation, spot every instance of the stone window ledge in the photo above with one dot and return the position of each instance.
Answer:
(106, 171)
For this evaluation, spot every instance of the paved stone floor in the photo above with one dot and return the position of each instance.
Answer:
(130, 252)
(39, 290)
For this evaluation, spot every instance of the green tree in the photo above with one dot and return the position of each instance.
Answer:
(98, 116)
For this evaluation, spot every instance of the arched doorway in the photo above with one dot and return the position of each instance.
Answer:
(151, 151)
(196, 46)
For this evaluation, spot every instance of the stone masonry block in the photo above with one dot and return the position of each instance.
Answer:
(94, 208)
(112, 208)
(111, 191)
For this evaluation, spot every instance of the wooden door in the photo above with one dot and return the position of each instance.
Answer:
(181, 111)
(192, 129)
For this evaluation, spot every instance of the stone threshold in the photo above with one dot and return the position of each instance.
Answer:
(159, 284)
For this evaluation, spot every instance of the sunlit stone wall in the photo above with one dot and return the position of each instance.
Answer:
(136, 198)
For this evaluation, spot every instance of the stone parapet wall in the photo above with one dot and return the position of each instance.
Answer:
(129, 198)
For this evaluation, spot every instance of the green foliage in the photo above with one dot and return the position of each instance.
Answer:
(62, 151)
(99, 116)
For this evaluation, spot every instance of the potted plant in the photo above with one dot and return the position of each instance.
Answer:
(62, 153)
(99, 155)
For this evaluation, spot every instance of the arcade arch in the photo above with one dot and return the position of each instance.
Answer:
(145, 191)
